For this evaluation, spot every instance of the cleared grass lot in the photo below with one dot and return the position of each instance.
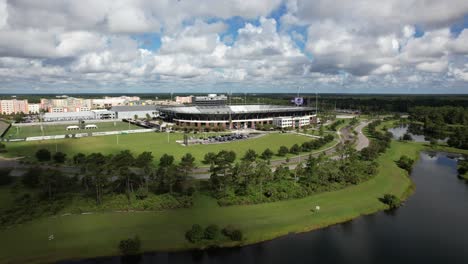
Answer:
(157, 143)
(50, 130)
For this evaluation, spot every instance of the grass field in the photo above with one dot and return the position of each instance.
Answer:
(50, 130)
(153, 142)
(81, 236)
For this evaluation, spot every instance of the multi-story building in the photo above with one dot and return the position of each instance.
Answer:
(290, 121)
(108, 102)
(184, 99)
(34, 108)
(69, 104)
(13, 106)
(211, 99)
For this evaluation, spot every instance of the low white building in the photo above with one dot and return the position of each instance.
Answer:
(68, 116)
(129, 112)
(290, 121)
(82, 115)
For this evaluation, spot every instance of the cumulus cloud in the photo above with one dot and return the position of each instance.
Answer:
(335, 44)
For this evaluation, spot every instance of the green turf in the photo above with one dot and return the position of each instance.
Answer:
(50, 130)
(157, 143)
(81, 236)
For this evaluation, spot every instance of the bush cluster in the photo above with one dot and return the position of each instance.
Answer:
(197, 233)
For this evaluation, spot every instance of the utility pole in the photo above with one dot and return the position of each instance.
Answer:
(316, 102)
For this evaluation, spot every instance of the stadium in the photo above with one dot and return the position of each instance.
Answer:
(239, 116)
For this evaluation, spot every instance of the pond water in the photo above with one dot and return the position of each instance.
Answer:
(430, 228)
(399, 131)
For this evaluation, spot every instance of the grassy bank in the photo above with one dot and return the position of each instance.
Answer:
(83, 236)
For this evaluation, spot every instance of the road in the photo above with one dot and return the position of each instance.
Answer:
(362, 140)
(345, 134)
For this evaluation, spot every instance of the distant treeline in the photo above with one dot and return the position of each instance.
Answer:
(366, 103)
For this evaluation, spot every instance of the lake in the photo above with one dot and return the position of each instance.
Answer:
(399, 131)
(430, 228)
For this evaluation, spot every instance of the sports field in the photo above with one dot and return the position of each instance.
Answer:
(157, 143)
(98, 234)
(50, 130)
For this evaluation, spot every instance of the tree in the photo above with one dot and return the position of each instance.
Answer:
(391, 200)
(59, 157)
(187, 163)
(250, 155)
(43, 155)
(282, 151)
(209, 158)
(130, 246)
(405, 163)
(79, 159)
(267, 154)
(5, 177)
(295, 149)
(407, 137)
(148, 117)
(166, 160)
(144, 160)
(135, 117)
(96, 173)
(2, 148)
(233, 233)
(195, 234)
(31, 177)
(51, 182)
(212, 232)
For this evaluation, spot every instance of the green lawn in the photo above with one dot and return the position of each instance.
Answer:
(81, 236)
(153, 142)
(50, 130)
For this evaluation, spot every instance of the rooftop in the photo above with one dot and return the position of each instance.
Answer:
(233, 109)
(129, 108)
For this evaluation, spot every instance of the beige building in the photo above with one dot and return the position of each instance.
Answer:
(34, 108)
(184, 99)
(13, 106)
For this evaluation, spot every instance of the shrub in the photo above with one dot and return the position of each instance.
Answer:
(212, 232)
(31, 177)
(5, 177)
(407, 137)
(405, 163)
(391, 200)
(130, 246)
(141, 194)
(59, 157)
(195, 234)
(233, 233)
(43, 155)
(236, 235)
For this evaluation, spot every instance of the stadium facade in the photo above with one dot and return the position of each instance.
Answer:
(239, 116)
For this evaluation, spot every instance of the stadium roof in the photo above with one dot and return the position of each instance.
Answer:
(130, 108)
(233, 109)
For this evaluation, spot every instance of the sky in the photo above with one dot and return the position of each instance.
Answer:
(184, 46)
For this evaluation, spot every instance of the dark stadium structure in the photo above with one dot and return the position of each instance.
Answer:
(237, 116)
